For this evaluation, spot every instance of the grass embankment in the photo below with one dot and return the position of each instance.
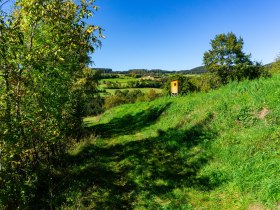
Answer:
(217, 150)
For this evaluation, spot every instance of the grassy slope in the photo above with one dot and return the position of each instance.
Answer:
(217, 150)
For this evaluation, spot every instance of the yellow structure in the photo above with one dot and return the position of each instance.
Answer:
(174, 87)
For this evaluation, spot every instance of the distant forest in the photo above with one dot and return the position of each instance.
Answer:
(197, 70)
(159, 72)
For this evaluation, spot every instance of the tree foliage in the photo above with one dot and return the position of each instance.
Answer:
(228, 61)
(44, 46)
(129, 96)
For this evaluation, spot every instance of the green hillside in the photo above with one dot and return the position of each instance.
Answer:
(216, 150)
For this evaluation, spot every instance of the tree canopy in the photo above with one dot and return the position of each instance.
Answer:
(227, 59)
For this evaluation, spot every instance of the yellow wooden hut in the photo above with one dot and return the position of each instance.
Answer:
(174, 87)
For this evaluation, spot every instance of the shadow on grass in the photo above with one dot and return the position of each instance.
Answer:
(127, 175)
(128, 124)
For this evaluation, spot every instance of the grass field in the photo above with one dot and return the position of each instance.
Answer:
(217, 150)
(144, 90)
(123, 80)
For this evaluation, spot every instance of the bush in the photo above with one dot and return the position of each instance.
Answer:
(126, 96)
(206, 82)
(151, 95)
(112, 101)
(113, 85)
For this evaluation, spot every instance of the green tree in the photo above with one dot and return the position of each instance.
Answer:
(228, 61)
(44, 46)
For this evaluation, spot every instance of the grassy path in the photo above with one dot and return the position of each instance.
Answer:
(218, 150)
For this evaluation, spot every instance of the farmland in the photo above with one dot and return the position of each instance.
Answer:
(123, 84)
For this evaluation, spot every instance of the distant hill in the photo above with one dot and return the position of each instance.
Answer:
(158, 72)
(196, 70)
(153, 72)
(269, 65)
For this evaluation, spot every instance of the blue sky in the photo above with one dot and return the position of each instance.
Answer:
(174, 34)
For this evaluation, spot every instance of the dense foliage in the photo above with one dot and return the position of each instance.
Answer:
(44, 53)
(126, 96)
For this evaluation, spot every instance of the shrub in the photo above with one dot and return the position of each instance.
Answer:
(112, 101)
(126, 96)
(206, 82)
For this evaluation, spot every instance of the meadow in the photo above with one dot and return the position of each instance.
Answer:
(216, 150)
(143, 90)
(123, 81)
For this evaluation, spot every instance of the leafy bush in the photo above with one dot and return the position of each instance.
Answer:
(126, 96)
(113, 85)
(205, 82)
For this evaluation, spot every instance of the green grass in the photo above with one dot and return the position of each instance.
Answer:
(123, 80)
(120, 79)
(216, 150)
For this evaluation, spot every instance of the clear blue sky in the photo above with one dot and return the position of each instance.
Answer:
(174, 34)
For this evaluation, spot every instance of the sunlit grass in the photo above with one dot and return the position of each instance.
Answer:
(216, 150)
